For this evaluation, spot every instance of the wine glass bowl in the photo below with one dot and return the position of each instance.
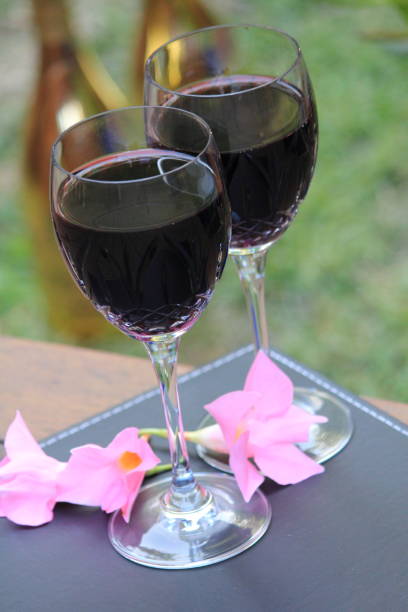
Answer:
(265, 125)
(116, 237)
(143, 223)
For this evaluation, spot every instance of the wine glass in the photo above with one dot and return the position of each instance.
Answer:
(143, 223)
(251, 85)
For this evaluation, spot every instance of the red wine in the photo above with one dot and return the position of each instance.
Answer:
(268, 164)
(147, 262)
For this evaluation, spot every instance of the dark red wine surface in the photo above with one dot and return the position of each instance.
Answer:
(268, 142)
(149, 266)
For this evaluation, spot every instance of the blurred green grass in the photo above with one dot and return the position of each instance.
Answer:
(337, 284)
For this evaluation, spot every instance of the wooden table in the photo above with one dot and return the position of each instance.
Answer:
(55, 386)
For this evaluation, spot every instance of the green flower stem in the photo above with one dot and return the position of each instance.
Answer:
(162, 433)
(158, 469)
(153, 431)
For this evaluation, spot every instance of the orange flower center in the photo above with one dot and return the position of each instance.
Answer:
(239, 430)
(129, 461)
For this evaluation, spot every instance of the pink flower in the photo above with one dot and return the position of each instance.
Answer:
(262, 424)
(108, 477)
(28, 478)
(211, 437)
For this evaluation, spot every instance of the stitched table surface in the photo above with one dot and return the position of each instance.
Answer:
(337, 541)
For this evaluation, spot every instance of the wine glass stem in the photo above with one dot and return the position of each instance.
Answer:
(185, 495)
(251, 270)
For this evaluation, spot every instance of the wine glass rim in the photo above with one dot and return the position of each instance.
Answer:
(220, 27)
(194, 157)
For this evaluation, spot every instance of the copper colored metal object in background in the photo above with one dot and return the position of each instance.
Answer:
(70, 85)
(161, 21)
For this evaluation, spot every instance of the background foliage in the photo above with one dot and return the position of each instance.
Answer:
(337, 284)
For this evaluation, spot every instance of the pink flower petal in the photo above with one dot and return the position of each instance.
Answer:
(90, 456)
(285, 463)
(275, 386)
(247, 476)
(300, 413)
(149, 458)
(27, 478)
(293, 426)
(127, 439)
(210, 437)
(114, 496)
(44, 466)
(90, 478)
(230, 409)
(28, 500)
(134, 482)
(19, 440)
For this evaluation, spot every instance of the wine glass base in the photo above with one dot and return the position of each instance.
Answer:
(325, 439)
(223, 528)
